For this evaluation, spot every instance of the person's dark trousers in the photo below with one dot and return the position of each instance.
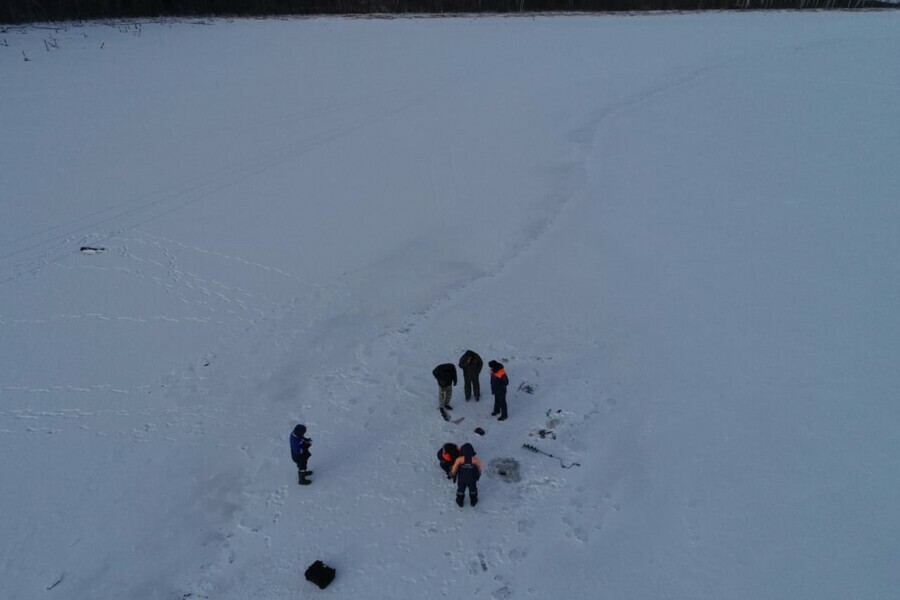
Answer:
(473, 386)
(302, 471)
(301, 460)
(461, 492)
(500, 405)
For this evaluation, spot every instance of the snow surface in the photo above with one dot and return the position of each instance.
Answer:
(680, 230)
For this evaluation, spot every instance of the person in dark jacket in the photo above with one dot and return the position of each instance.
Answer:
(447, 455)
(300, 453)
(446, 379)
(471, 365)
(467, 470)
(499, 382)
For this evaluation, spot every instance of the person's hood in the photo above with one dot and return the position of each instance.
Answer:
(300, 431)
(467, 450)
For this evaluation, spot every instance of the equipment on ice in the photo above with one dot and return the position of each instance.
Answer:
(320, 574)
(536, 450)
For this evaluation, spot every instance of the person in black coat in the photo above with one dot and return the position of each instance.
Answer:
(447, 455)
(467, 470)
(471, 365)
(445, 375)
(499, 382)
(300, 453)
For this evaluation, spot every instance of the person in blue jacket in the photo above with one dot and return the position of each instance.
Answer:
(300, 453)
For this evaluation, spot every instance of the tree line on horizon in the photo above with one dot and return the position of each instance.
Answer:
(32, 11)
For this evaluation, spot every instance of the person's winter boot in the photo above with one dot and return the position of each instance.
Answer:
(501, 419)
(307, 473)
(460, 499)
(303, 478)
(473, 499)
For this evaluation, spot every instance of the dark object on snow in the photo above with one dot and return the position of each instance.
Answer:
(92, 249)
(471, 365)
(544, 433)
(320, 574)
(479, 431)
(526, 387)
(531, 448)
(300, 453)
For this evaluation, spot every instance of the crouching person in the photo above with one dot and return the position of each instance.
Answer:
(467, 470)
(447, 455)
(300, 453)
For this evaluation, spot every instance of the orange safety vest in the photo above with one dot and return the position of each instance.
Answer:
(461, 460)
(499, 374)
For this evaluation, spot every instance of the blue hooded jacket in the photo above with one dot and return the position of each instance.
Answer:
(299, 444)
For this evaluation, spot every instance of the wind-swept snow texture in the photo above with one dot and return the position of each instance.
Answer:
(678, 232)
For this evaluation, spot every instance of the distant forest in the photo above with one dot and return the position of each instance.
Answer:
(29, 11)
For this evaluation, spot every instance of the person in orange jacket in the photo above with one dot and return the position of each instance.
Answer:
(499, 382)
(467, 470)
(447, 455)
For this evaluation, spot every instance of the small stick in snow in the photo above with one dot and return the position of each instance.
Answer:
(57, 582)
(482, 561)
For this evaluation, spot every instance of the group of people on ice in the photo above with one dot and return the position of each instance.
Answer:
(459, 463)
(471, 365)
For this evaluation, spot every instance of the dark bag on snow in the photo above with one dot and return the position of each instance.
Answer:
(320, 574)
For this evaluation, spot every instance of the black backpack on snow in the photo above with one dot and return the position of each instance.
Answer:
(320, 574)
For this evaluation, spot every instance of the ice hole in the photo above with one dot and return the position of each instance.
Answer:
(506, 469)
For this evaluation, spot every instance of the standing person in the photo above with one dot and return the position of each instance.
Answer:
(447, 455)
(446, 379)
(499, 381)
(300, 453)
(467, 470)
(471, 365)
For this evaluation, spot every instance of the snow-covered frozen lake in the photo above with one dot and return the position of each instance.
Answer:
(679, 232)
